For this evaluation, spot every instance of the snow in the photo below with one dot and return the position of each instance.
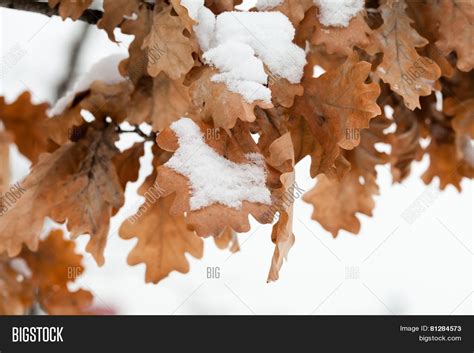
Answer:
(338, 13)
(267, 4)
(238, 44)
(105, 70)
(240, 70)
(270, 34)
(231, 183)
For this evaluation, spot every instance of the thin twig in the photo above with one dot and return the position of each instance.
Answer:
(90, 16)
(75, 52)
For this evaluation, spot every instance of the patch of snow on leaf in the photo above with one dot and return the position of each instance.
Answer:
(231, 183)
(105, 70)
(240, 70)
(338, 13)
(270, 34)
(267, 36)
(267, 4)
(206, 21)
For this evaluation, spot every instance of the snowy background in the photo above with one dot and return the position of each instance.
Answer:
(390, 267)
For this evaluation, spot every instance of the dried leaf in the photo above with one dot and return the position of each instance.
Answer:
(409, 74)
(127, 163)
(336, 106)
(342, 40)
(114, 12)
(445, 165)
(135, 67)
(163, 239)
(101, 100)
(169, 49)
(281, 152)
(336, 202)
(214, 101)
(52, 267)
(26, 122)
(405, 142)
(70, 8)
(171, 101)
(294, 10)
(456, 30)
(215, 219)
(77, 183)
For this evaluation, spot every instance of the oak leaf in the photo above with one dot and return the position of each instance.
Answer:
(214, 219)
(52, 267)
(336, 106)
(77, 183)
(169, 50)
(405, 142)
(446, 166)
(409, 74)
(294, 9)
(114, 12)
(127, 163)
(336, 202)
(135, 66)
(280, 154)
(343, 40)
(70, 8)
(456, 30)
(26, 123)
(215, 102)
(163, 239)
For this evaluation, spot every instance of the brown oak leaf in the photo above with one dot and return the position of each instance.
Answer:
(169, 50)
(336, 106)
(215, 102)
(216, 218)
(336, 202)
(70, 8)
(456, 30)
(405, 142)
(135, 66)
(77, 183)
(280, 154)
(26, 123)
(294, 9)
(342, 40)
(101, 100)
(127, 163)
(52, 267)
(163, 239)
(409, 74)
(114, 12)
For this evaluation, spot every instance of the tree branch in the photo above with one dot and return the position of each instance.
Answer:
(75, 52)
(90, 16)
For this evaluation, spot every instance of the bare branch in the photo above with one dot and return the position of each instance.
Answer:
(90, 16)
(75, 52)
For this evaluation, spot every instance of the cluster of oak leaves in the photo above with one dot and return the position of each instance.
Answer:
(395, 53)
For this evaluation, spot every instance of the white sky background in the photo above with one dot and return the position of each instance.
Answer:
(423, 268)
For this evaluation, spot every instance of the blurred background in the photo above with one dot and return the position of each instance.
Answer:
(392, 266)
